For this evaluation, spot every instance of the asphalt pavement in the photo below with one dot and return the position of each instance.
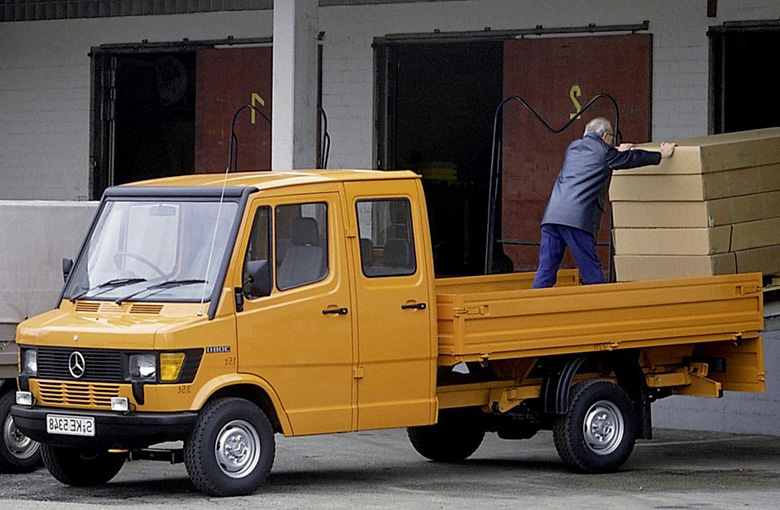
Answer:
(676, 470)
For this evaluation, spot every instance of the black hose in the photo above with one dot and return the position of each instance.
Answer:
(234, 138)
(325, 143)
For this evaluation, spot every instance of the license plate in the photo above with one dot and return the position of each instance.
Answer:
(70, 425)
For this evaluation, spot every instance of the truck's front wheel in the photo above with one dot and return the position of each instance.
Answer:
(597, 435)
(454, 438)
(18, 453)
(231, 450)
(81, 468)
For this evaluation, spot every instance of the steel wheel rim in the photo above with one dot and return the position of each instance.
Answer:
(17, 444)
(603, 427)
(237, 449)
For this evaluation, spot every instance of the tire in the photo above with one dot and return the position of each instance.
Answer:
(454, 438)
(598, 433)
(81, 468)
(231, 449)
(18, 453)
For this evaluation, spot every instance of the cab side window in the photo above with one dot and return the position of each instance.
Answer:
(386, 237)
(301, 244)
(256, 277)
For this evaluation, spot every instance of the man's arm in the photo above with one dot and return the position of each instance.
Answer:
(627, 157)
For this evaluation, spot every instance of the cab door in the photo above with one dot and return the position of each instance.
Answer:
(298, 335)
(396, 350)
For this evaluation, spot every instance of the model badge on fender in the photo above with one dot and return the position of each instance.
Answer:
(76, 364)
(221, 348)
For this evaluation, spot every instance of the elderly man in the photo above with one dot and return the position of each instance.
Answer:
(578, 198)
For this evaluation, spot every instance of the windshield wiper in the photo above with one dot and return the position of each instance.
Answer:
(159, 287)
(110, 284)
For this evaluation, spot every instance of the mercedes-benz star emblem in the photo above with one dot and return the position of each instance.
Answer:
(76, 364)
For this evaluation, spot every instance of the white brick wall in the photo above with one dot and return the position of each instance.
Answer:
(45, 71)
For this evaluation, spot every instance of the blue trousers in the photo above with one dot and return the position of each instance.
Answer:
(582, 244)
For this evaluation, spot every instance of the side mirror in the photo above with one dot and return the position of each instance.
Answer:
(258, 281)
(67, 267)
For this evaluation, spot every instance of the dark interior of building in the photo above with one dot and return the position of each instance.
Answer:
(446, 95)
(155, 116)
(742, 84)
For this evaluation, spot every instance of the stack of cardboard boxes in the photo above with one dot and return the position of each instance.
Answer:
(713, 208)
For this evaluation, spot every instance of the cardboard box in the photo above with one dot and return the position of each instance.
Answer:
(694, 187)
(712, 213)
(662, 215)
(653, 267)
(673, 241)
(764, 260)
(716, 153)
(755, 234)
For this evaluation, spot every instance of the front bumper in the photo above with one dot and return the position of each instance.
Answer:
(112, 430)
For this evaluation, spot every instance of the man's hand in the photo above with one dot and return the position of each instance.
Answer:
(625, 147)
(667, 149)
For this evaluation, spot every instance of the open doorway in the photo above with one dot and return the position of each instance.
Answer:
(143, 115)
(743, 85)
(155, 116)
(436, 118)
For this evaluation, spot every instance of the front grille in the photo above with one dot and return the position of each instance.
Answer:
(100, 365)
(77, 393)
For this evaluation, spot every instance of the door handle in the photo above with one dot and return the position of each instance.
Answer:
(413, 306)
(335, 311)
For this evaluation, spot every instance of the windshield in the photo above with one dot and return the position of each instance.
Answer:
(161, 251)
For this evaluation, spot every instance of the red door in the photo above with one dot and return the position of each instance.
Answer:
(227, 79)
(557, 77)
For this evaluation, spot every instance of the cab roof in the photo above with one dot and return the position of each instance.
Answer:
(270, 180)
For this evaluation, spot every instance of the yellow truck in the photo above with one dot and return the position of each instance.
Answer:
(220, 313)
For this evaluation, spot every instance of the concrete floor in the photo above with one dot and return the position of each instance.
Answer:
(676, 470)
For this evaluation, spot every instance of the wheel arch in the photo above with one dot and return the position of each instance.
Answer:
(559, 377)
(258, 392)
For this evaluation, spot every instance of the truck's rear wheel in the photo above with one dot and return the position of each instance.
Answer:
(18, 453)
(80, 468)
(454, 438)
(598, 432)
(231, 450)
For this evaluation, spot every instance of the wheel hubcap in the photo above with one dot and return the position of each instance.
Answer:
(603, 427)
(19, 445)
(237, 449)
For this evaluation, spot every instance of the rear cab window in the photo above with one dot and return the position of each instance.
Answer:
(386, 237)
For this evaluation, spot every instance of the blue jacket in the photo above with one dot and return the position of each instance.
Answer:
(580, 192)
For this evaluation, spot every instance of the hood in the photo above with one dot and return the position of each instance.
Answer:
(104, 325)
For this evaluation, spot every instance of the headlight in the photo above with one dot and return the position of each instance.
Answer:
(170, 365)
(143, 367)
(30, 362)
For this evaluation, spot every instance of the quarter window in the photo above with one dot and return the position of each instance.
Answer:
(256, 276)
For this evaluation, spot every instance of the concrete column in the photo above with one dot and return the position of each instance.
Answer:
(294, 111)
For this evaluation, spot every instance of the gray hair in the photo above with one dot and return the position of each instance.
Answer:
(599, 125)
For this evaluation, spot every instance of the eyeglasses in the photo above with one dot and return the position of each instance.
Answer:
(610, 135)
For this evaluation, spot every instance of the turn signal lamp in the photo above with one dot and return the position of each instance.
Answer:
(170, 365)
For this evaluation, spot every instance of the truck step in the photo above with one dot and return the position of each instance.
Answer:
(174, 455)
